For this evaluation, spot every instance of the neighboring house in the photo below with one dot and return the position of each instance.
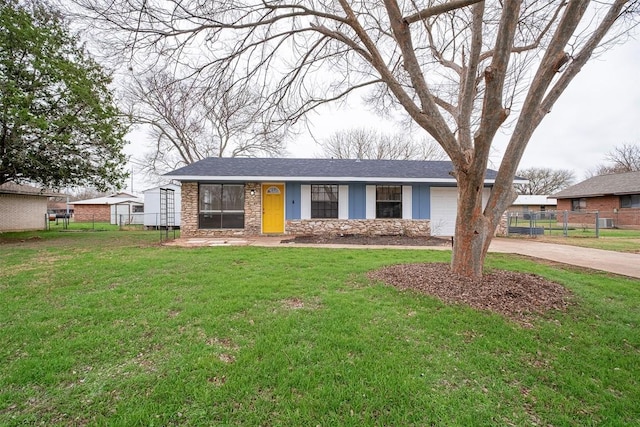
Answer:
(525, 203)
(615, 197)
(121, 208)
(23, 207)
(60, 209)
(250, 196)
(162, 206)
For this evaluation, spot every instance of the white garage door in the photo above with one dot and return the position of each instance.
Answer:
(444, 202)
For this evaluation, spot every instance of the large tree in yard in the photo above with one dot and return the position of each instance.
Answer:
(461, 70)
(191, 118)
(58, 123)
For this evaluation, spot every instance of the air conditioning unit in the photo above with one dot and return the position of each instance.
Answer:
(605, 223)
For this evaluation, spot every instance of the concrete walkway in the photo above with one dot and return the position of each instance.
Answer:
(626, 264)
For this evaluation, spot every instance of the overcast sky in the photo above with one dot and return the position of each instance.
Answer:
(599, 110)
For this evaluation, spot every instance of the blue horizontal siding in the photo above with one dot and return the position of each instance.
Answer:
(357, 201)
(292, 208)
(421, 202)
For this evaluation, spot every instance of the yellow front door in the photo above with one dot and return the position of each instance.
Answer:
(273, 208)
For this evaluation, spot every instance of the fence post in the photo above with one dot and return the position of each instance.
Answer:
(565, 223)
(597, 224)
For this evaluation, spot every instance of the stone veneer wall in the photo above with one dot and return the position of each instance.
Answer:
(370, 227)
(252, 208)
(501, 229)
(189, 214)
(189, 220)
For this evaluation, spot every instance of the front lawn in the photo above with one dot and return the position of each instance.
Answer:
(619, 240)
(110, 328)
(610, 240)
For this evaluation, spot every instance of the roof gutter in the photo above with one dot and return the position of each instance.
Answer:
(322, 179)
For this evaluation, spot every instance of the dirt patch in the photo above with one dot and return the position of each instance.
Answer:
(519, 297)
(293, 303)
(360, 239)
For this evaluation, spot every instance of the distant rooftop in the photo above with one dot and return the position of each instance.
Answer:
(113, 199)
(26, 190)
(535, 200)
(614, 184)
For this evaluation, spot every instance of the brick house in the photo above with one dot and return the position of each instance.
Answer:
(23, 207)
(615, 197)
(251, 196)
(107, 209)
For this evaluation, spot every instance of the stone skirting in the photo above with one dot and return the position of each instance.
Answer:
(369, 227)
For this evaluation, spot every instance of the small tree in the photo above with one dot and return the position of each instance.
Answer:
(371, 144)
(544, 181)
(58, 122)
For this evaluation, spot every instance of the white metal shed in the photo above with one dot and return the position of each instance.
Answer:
(152, 204)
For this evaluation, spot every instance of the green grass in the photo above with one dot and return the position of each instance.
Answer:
(618, 244)
(112, 329)
(71, 225)
(609, 239)
(85, 234)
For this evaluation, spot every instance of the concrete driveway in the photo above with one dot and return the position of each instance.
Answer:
(623, 263)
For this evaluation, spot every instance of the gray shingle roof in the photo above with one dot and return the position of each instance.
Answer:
(27, 190)
(620, 183)
(236, 168)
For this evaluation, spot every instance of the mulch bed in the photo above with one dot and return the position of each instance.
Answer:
(519, 297)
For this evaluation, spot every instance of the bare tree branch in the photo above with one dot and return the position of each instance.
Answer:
(361, 143)
(190, 121)
(439, 9)
(544, 181)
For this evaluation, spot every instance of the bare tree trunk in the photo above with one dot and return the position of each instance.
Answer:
(475, 225)
(472, 230)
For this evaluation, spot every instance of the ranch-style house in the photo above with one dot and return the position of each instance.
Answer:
(262, 196)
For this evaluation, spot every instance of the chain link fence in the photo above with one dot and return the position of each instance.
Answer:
(560, 223)
(122, 222)
(581, 223)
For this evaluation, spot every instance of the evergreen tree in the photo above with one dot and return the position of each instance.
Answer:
(59, 125)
